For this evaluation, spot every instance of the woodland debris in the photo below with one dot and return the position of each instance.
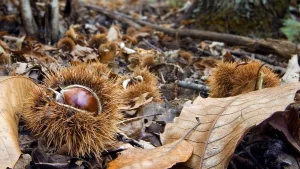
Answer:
(141, 87)
(13, 92)
(60, 117)
(278, 47)
(114, 15)
(193, 86)
(273, 143)
(292, 71)
(230, 79)
(224, 121)
(263, 58)
(162, 157)
(55, 113)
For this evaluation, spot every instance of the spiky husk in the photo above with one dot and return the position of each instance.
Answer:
(131, 40)
(131, 31)
(149, 84)
(84, 133)
(186, 56)
(107, 56)
(230, 79)
(96, 40)
(66, 44)
(98, 68)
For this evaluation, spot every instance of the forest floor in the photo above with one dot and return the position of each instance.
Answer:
(177, 72)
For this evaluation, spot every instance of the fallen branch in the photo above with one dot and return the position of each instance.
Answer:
(114, 15)
(263, 58)
(271, 46)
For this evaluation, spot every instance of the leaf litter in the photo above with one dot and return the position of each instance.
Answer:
(162, 83)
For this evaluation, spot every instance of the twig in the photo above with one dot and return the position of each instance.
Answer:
(162, 77)
(137, 118)
(193, 86)
(114, 15)
(257, 56)
(152, 46)
(122, 137)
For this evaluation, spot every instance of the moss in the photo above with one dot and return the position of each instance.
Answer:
(243, 18)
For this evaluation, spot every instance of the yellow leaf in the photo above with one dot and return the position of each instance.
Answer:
(158, 158)
(224, 121)
(12, 92)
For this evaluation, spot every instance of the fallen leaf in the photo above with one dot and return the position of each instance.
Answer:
(81, 51)
(133, 129)
(287, 122)
(214, 44)
(2, 50)
(125, 83)
(161, 157)
(113, 33)
(138, 102)
(292, 71)
(23, 161)
(126, 49)
(21, 68)
(13, 91)
(224, 121)
(141, 100)
(19, 43)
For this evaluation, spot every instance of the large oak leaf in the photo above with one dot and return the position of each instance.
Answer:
(224, 121)
(13, 91)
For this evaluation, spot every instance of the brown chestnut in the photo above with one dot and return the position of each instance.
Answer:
(80, 97)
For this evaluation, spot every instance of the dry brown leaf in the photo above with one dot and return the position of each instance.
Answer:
(113, 33)
(292, 71)
(224, 121)
(13, 91)
(139, 101)
(19, 42)
(81, 51)
(162, 157)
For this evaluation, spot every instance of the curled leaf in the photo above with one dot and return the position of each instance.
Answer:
(12, 94)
